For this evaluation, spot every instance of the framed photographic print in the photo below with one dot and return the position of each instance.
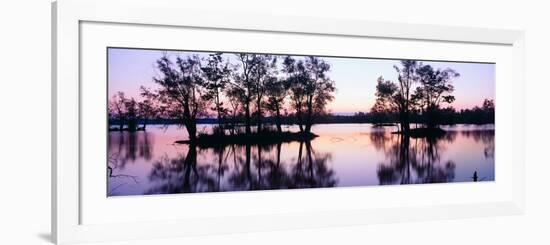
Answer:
(172, 125)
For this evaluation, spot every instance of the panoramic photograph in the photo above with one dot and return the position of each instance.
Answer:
(197, 121)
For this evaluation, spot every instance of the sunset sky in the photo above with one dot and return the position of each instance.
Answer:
(355, 78)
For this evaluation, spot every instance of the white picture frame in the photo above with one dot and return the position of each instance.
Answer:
(68, 17)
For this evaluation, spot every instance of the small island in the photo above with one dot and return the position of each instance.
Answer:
(263, 138)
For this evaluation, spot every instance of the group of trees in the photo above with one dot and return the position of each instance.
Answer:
(239, 89)
(246, 91)
(420, 89)
(477, 115)
(128, 112)
(484, 114)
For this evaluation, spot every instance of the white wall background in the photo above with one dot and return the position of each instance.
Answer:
(25, 141)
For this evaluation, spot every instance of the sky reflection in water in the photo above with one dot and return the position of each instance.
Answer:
(343, 155)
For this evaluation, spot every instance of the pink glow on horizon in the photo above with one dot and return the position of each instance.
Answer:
(355, 78)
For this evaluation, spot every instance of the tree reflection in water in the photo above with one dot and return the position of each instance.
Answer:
(276, 175)
(248, 167)
(487, 137)
(410, 161)
(182, 175)
(147, 163)
(126, 147)
(312, 173)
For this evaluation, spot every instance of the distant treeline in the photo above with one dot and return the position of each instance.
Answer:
(449, 116)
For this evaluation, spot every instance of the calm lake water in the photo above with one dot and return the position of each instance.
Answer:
(343, 155)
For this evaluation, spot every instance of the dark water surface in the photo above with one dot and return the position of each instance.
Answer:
(343, 155)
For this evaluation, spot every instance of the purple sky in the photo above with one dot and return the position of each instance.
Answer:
(355, 78)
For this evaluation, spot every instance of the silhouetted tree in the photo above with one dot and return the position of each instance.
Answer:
(320, 89)
(276, 90)
(263, 71)
(435, 88)
(180, 91)
(382, 110)
(489, 109)
(131, 114)
(310, 88)
(146, 108)
(296, 76)
(217, 74)
(117, 109)
(244, 87)
(399, 95)
(406, 78)
(233, 97)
